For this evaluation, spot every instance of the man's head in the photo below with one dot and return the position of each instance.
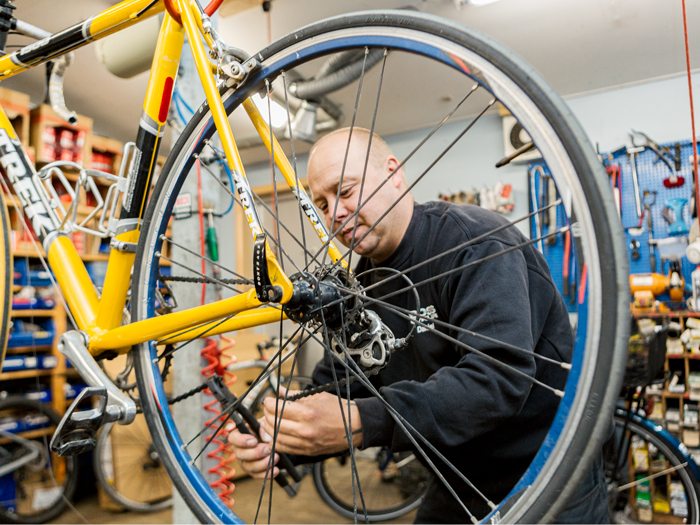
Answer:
(324, 174)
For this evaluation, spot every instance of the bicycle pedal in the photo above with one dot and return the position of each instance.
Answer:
(77, 431)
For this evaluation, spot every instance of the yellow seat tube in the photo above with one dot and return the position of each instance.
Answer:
(74, 281)
(111, 309)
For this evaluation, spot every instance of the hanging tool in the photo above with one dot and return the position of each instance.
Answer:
(632, 154)
(649, 200)
(535, 208)
(551, 199)
(615, 173)
(565, 263)
(634, 246)
(677, 156)
(663, 153)
(676, 224)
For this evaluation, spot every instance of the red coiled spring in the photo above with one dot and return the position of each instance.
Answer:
(222, 453)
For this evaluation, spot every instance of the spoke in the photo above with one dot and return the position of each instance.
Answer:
(463, 245)
(655, 475)
(255, 195)
(345, 157)
(164, 238)
(168, 353)
(233, 406)
(457, 342)
(294, 167)
(333, 234)
(369, 149)
(412, 315)
(405, 426)
(413, 184)
(473, 263)
(274, 181)
(348, 431)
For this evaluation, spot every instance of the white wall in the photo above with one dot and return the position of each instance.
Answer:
(659, 108)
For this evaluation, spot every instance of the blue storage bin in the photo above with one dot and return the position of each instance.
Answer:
(8, 492)
(97, 271)
(14, 363)
(34, 275)
(47, 362)
(19, 336)
(72, 391)
(35, 303)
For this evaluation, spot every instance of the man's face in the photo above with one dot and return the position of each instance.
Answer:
(324, 174)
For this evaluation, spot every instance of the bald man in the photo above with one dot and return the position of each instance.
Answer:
(486, 420)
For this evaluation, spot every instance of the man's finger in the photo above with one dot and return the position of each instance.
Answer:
(261, 451)
(241, 440)
(292, 410)
(284, 425)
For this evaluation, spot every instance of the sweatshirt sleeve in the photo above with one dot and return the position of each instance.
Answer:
(458, 403)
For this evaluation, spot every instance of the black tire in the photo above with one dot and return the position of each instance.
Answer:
(589, 400)
(26, 475)
(386, 496)
(648, 432)
(6, 279)
(146, 462)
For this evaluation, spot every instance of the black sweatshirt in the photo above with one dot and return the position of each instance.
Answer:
(483, 417)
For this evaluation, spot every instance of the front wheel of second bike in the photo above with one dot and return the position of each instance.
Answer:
(456, 76)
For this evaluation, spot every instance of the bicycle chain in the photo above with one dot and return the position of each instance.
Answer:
(334, 385)
(201, 280)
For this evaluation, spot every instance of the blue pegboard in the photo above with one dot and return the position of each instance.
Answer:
(651, 174)
(554, 253)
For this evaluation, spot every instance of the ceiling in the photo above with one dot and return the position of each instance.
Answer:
(578, 46)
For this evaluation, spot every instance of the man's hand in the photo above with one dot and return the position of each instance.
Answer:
(311, 426)
(253, 456)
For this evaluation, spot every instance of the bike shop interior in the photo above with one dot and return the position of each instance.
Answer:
(624, 69)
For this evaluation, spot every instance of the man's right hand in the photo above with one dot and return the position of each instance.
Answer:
(253, 456)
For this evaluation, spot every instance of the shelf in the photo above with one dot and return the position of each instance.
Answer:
(31, 434)
(683, 356)
(84, 257)
(33, 313)
(25, 349)
(24, 374)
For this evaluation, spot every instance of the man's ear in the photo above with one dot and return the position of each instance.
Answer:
(391, 164)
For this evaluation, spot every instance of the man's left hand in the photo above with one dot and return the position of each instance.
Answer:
(311, 426)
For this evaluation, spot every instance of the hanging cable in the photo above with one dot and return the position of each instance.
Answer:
(692, 112)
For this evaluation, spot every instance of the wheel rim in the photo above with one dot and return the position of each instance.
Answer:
(584, 358)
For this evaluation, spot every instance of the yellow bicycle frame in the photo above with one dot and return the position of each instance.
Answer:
(101, 317)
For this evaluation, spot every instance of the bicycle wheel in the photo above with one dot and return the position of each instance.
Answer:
(39, 490)
(129, 453)
(435, 56)
(6, 265)
(394, 484)
(654, 474)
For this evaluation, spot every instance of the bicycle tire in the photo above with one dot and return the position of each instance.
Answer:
(393, 502)
(6, 281)
(103, 457)
(653, 434)
(600, 350)
(48, 511)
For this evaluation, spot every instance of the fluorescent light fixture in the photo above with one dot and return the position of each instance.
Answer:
(279, 114)
(480, 2)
